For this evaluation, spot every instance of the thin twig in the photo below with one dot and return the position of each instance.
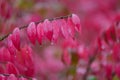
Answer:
(92, 58)
(22, 27)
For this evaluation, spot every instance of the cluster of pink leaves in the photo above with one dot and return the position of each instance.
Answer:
(18, 61)
(51, 30)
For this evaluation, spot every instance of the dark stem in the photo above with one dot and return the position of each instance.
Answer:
(22, 27)
(92, 58)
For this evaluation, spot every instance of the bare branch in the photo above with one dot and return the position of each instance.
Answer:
(22, 27)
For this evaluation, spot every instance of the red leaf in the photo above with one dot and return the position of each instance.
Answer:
(117, 70)
(2, 77)
(10, 46)
(40, 32)
(66, 58)
(27, 56)
(11, 69)
(32, 33)
(16, 38)
(48, 29)
(4, 54)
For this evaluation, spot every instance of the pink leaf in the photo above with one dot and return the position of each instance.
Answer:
(64, 29)
(10, 46)
(28, 61)
(56, 30)
(11, 69)
(16, 38)
(2, 77)
(26, 52)
(12, 77)
(4, 54)
(48, 29)
(117, 70)
(22, 78)
(66, 58)
(76, 22)
(40, 32)
(71, 29)
(31, 31)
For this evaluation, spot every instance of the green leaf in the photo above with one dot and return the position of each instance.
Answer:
(75, 59)
(92, 78)
(71, 70)
(115, 78)
(24, 4)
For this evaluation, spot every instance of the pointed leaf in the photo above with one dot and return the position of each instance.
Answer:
(31, 31)
(16, 38)
(11, 69)
(40, 32)
(76, 22)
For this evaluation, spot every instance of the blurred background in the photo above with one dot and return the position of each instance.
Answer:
(96, 16)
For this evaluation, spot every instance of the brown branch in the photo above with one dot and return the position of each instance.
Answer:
(92, 58)
(22, 27)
